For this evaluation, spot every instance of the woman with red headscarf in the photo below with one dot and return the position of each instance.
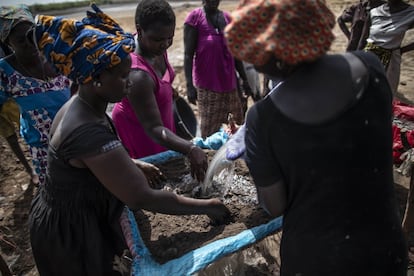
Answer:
(319, 146)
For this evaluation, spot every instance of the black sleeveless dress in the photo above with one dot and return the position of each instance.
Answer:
(74, 220)
(341, 216)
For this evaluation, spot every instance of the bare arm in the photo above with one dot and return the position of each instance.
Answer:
(152, 173)
(124, 180)
(242, 73)
(273, 198)
(143, 101)
(271, 189)
(344, 28)
(346, 17)
(190, 44)
(407, 48)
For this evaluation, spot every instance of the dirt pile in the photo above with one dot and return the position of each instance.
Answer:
(168, 237)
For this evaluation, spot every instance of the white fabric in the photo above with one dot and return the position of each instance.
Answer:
(388, 29)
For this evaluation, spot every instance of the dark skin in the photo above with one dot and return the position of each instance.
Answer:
(342, 24)
(115, 169)
(303, 99)
(26, 54)
(26, 58)
(152, 44)
(190, 44)
(13, 142)
(396, 6)
(216, 19)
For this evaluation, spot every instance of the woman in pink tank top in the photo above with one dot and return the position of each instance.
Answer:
(210, 69)
(144, 119)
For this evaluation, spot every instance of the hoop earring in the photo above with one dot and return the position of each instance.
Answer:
(97, 84)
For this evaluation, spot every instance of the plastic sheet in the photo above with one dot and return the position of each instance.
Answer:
(195, 260)
(198, 259)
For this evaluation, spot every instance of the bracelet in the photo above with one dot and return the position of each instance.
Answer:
(191, 149)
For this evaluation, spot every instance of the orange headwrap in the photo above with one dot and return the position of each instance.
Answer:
(293, 31)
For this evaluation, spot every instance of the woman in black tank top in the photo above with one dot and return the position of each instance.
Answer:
(319, 145)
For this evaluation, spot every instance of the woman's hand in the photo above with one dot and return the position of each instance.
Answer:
(218, 213)
(198, 163)
(151, 172)
(192, 94)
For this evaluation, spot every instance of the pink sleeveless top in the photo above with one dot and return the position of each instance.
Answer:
(213, 64)
(129, 129)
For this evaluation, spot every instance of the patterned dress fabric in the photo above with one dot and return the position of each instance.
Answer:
(82, 49)
(39, 101)
(74, 219)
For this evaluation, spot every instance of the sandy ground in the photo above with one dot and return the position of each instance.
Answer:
(14, 192)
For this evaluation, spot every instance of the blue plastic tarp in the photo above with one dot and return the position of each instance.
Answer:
(195, 260)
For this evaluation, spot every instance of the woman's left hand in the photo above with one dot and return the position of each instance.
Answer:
(151, 172)
(198, 163)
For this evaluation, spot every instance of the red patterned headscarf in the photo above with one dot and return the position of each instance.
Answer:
(293, 31)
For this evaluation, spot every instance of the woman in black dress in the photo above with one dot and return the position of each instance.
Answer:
(319, 147)
(74, 219)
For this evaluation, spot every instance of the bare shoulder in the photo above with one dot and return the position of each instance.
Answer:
(71, 116)
(142, 82)
(318, 91)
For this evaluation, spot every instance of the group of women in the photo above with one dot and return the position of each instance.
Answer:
(318, 147)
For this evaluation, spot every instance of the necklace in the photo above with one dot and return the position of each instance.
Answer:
(215, 23)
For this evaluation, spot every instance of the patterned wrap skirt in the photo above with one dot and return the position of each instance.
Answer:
(214, 108)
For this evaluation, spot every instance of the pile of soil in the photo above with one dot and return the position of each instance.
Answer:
(169, 237)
